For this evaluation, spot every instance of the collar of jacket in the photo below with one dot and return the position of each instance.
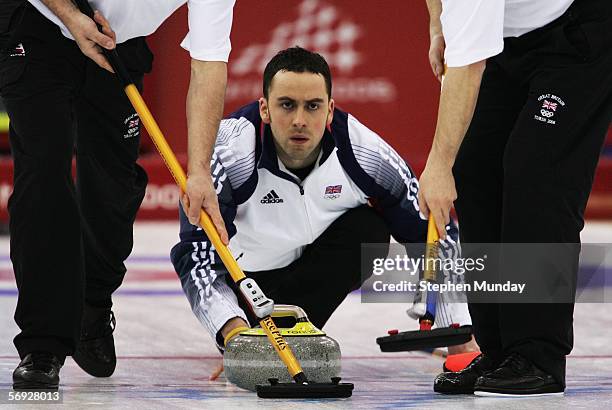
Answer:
(269, 157)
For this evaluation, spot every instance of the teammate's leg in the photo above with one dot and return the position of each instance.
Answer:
(110, 189)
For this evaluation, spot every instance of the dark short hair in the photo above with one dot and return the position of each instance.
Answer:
(297, 60)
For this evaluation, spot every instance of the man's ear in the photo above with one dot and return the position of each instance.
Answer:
(263, 110)
(330, 112)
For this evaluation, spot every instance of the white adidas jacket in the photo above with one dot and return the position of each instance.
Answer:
(271, 217)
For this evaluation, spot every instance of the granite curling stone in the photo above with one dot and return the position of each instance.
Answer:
(250, 359)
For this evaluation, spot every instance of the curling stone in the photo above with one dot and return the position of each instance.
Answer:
(250, 359)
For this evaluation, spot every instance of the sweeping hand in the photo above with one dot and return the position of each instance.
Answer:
(436, 55)
(437, 194)
(90, 39)
(200, 194)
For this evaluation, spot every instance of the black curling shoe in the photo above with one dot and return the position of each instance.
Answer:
(37, 371)
(517, 376)
(95, 352)
(462, 382)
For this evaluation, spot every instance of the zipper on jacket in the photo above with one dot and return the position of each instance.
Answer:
(308, 222)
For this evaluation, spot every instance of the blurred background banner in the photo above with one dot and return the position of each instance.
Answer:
(378, 57)
(380, 68)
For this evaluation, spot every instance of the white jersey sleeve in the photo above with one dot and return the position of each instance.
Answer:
(473, 30)
(128, 19)
(210, 24)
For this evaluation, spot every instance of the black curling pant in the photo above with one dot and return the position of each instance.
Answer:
(525, 169)
(68, 241)
(328, 270)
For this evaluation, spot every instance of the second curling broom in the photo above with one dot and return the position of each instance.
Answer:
(425, 308)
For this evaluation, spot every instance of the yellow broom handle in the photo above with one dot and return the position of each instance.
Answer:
(432, 230)
(282, 348)
(431, 250)
(181, 179)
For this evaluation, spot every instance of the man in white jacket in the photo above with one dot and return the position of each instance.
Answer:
(302, 185)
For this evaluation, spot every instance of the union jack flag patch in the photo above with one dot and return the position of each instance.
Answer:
(549, 105)
(333, 189)
(548, 109)
(132, 124)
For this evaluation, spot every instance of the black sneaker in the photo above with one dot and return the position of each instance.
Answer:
(463, 382)
(517, 376)
(95, 352)
(37, 371)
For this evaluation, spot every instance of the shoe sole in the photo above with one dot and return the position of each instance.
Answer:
(34, 386)
(493, 394)
(466, 390)
(454, 392)
(92, 368)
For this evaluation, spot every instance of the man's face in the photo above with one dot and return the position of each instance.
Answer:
(298, 110)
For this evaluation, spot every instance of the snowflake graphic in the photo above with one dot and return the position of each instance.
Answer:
(319, 28)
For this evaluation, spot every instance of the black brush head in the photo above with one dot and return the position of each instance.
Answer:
(333, 390)
(425, 339)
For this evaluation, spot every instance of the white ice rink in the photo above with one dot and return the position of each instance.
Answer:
(165, 357)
